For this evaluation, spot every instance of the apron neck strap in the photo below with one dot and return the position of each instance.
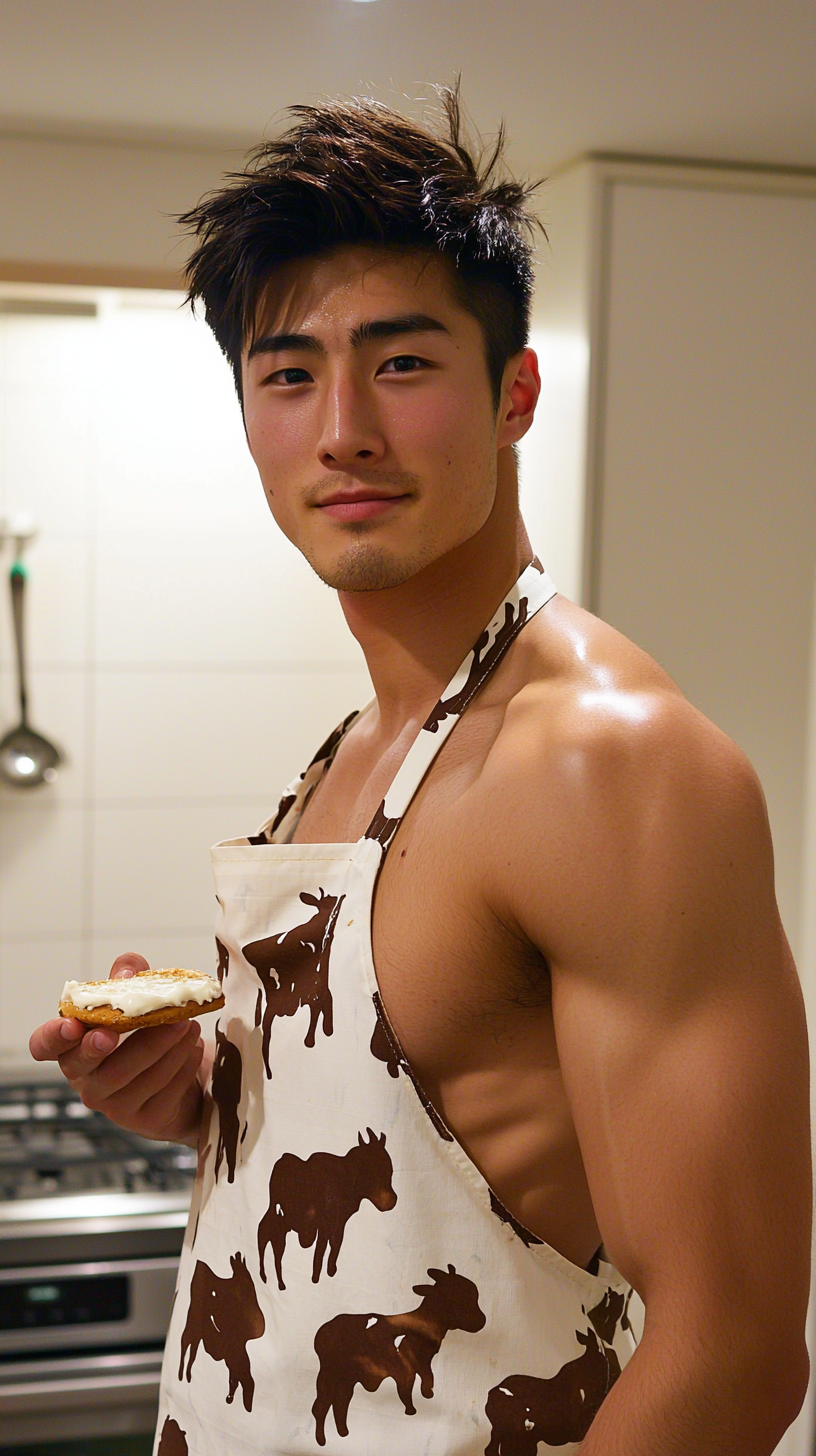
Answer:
(530, 593)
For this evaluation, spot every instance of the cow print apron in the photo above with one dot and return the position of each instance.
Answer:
(349, 1282)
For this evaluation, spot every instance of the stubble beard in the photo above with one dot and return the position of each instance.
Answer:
(365, 567)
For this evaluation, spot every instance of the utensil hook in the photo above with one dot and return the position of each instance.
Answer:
(19, 528)
(21, 531)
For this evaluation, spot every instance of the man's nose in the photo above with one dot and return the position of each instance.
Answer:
(351, 430)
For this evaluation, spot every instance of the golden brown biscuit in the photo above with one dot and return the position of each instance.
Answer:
(149, 998)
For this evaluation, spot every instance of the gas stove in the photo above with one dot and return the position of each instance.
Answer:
(91, 1226)
(52, 1145)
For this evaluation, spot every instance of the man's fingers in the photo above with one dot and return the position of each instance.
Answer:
(156, 1077)
(128, 964)
(184, 1086)
(83, 1058)
(156, 1067)
(178, 1080)
(132, 1059)
(49, 1041)
(53, 1038)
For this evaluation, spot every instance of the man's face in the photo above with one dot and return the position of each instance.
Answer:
(369, 414)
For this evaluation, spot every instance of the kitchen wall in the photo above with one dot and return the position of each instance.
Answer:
(89, 210)
(705, 538)
(182, 653)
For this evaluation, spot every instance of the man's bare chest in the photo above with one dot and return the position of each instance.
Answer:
(451, 973)
(455, 980)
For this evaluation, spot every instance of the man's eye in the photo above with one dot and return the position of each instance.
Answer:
(402, 364)
(291, 376)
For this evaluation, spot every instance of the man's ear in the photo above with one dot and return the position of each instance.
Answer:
(521, 386)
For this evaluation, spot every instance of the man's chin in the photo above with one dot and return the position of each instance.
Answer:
(365, 567)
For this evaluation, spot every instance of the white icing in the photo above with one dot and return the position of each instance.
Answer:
(146, 991)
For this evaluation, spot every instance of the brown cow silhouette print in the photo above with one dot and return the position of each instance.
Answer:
(382, 828)
(605, 1316)
(223, 961)
(293, 969)
(366, 1349)
(315, 1199)
(524, 1410)
(224, 1315)
(382, 1049)
(381, 1045)
(226, 1094)
(204, 1150)
(284, 805)
(481, 667)
(173, 1440)
(385, 1047)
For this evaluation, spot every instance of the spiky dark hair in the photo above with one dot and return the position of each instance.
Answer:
(349, 172)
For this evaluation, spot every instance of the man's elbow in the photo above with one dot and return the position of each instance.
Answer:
(748, 1382)
(797, 1379)
(774, 1388)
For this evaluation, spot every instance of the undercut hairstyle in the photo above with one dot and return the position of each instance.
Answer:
(355, 172)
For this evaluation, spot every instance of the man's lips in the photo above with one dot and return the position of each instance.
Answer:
(364, 505)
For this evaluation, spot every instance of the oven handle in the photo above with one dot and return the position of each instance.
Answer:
(27, 1274)
(74, 1391)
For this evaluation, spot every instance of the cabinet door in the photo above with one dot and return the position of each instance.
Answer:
(705, 522)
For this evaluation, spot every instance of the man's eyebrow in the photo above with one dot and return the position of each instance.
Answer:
(388, 328)
(365, 333)
(277, 343)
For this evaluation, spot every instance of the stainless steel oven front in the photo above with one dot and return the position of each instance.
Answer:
(87, 1268)
(68, 1306)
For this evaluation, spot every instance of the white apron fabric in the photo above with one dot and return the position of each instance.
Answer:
(349, 1282)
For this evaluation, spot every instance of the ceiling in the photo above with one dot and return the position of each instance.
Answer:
(727, 79)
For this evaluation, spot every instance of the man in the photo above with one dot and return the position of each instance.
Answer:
(581, 1061)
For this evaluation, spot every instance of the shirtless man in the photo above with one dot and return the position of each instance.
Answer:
(578, 954)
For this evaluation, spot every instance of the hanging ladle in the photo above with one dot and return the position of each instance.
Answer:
(26, 758)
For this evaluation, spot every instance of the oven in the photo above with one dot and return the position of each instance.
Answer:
(91, 1226)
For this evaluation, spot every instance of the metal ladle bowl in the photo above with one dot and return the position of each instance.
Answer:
(26, 758)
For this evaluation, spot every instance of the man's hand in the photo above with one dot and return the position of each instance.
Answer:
(149, 1084)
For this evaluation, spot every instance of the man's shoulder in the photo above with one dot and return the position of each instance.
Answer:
(610, 795)
(595, 724)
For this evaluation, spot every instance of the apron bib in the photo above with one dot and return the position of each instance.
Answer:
(349, 1282)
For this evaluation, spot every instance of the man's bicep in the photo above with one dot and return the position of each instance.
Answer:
(678, 1015)
(682, 1041)
(694, 1135)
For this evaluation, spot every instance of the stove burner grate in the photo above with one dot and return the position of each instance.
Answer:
(51, 1144)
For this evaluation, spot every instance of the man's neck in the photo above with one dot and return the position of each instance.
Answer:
(414, 636)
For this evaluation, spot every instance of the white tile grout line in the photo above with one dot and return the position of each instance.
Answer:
(178, 931)
(256, 802)
(250, 668)
(89, 767)
(3, 412)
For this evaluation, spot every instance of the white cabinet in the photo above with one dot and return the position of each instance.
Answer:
(671, 484)
(679, 467)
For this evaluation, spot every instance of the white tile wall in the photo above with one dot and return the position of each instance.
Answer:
(182, 653)
(213, 594)
(41, 854)
(29, 971)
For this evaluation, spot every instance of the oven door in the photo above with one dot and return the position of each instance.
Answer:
(81, 1347)
(75, 1397)
(70, 1306)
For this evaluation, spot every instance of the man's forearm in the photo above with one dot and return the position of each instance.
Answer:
(684, 1399)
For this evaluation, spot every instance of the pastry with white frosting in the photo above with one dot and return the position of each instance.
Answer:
(148, 998)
